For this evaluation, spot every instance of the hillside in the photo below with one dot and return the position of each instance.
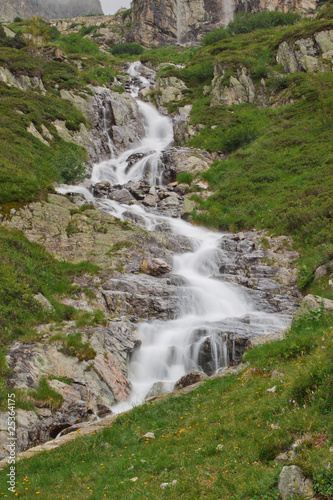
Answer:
(85, 269)
(49, 9)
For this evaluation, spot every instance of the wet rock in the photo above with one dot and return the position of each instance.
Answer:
(154, 267)
(187, 208)
(122, 196)
(190, 378)
(187, 160)
(156, 391)
(293, 482)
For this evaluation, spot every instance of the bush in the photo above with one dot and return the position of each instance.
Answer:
(125, 14)
(75, 44)
(127, 48)
(18, 20)
(247, 22)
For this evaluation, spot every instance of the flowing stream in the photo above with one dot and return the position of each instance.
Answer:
(172, 348)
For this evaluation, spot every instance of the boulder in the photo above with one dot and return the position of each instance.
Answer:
(292, 482)
(190, 378)
(154, 267)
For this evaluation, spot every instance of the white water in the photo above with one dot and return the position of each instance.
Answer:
(179, 22)
(172, 348)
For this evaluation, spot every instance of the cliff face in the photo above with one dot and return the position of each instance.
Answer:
(162, 22)
(171, 21)
(51, 9)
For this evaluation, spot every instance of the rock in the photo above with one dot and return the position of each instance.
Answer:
(189, 379)
(46, 304)
(240, 89)
(287, 456)
(312, 303)
(163, 486)
(134, 479)
(169, 89)
(293, 482)
(156, 391)
(149, 200)
(187, 208)
(313, 54)
(286, 57)
(91, 235)
(154, 267)
(148, 435)
(272, 389)
(187, 160)
(32, 130)
(122, 196)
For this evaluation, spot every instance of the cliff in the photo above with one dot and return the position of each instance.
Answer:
(159, 22)
(51, 9)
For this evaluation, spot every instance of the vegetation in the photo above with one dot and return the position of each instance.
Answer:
(127, 48)
(220, 441)
(247, 22)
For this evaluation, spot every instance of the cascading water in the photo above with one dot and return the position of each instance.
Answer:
(209, 309)
(179, 22)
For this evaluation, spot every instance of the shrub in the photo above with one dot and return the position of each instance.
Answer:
(125, 14)
(127, 48)
(18, 19)
(216, 36)
(75, 44)
(184, 178)
(247, 22)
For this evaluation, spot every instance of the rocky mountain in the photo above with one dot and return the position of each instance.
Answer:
(9, 9)
(161, 22)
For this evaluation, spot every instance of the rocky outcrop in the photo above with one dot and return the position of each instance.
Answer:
(306, 6)
(115, 119)
(165, 22)
(313, 54)
(21, 82)
(50, 9)
(174, 21)
(90, 234)
(236, 89)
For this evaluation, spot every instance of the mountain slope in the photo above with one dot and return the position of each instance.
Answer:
(9, 9)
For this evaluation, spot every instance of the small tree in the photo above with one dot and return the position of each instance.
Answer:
(37, 34)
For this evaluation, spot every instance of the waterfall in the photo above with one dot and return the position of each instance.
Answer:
(179, 22)
(228, 7)
(212, 310)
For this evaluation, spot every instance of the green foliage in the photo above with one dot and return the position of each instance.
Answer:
(45, 396)
(18, 19)
(279, 180)
(127, 48)
(246, 22)
(25, 270)
(17, 42)
(72, 345)
(125, 14)
(173, 55)
(118, 88)
(74, 43)
(27, 166)
(184, 178)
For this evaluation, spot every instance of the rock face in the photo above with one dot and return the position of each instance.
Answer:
(163, 22)
(51, 9)
(311, 55)
(306, 6)
(237, 90)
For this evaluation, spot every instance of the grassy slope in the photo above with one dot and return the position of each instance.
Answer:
(252, 424)
(279, 158)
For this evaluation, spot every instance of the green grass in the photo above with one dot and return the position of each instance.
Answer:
(277, 175)
(237, 412)
(45, 396)
(27, 166)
